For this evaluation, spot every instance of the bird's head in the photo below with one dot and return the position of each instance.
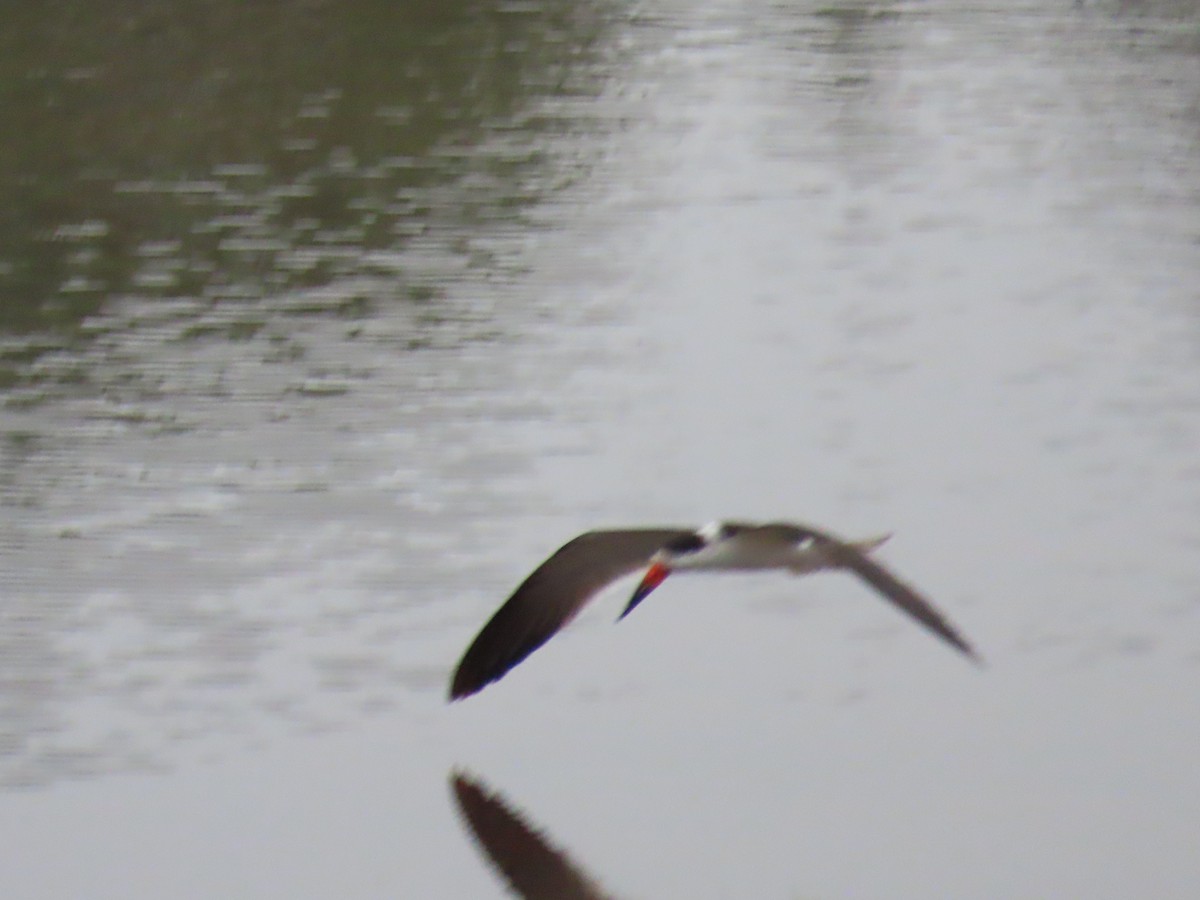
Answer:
(671, 556)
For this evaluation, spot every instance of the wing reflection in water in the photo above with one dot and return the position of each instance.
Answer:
(533, 867)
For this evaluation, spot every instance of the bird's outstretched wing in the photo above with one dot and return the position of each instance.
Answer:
(551, 596)
(904, 596)
(851, 557)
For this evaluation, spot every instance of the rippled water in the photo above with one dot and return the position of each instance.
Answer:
(312, 345)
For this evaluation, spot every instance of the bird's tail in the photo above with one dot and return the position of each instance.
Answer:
(869, 544)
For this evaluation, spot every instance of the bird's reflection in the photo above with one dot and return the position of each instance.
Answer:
(532, 867)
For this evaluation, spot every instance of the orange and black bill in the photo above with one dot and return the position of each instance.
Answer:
(655, 575)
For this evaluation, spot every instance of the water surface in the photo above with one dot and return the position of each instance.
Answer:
(311, 345)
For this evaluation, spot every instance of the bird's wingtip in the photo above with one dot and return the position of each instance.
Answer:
(966, 649)
(462, 687)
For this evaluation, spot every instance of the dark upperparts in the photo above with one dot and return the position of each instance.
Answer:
(688, 543)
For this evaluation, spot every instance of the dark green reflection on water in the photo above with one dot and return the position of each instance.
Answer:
(222, 228)
(231, 152)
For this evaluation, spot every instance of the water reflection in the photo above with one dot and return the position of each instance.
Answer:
(266, 263)
(530, 863)
(289, 378)
(183, 161)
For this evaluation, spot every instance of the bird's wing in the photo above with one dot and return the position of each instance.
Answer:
(550, 597)
(849, 557)
(532, 866)
(788, 532)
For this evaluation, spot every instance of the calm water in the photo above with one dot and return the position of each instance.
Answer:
(320, 326)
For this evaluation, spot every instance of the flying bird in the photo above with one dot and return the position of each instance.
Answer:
(562, 585)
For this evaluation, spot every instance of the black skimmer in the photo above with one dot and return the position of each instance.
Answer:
(560, 587)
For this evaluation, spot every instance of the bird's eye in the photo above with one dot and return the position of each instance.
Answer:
(689, 543)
